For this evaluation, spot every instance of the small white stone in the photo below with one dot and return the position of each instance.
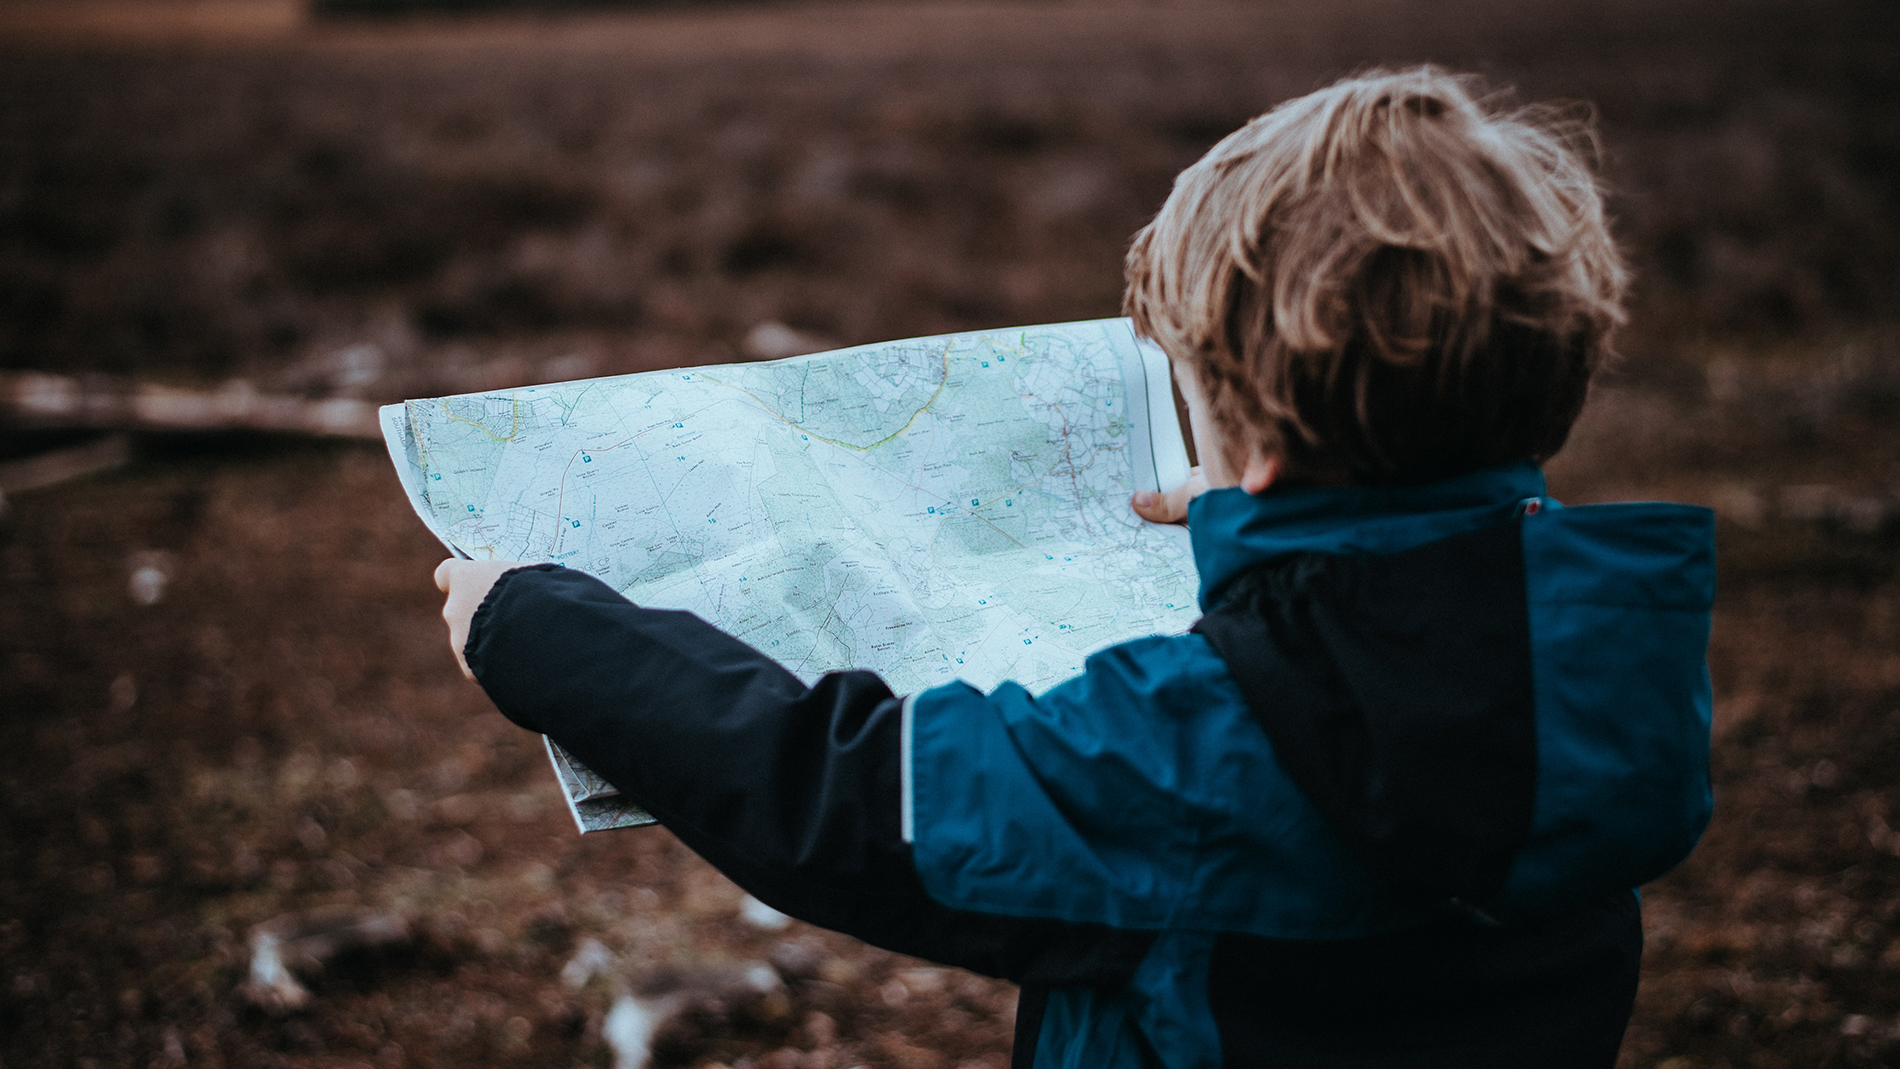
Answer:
(760, 915)
(592, 959)
(271, 985)
(628, 1030)
(762, 978)
(147, 586)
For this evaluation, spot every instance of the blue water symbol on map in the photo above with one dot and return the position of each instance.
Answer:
(933, 510)
(436, 475)
(973, 502)
(575, 523)
(471, 508)
(585, 459)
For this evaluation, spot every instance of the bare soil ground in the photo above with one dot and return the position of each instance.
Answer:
(224, 694)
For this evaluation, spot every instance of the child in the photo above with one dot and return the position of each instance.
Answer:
(1385, 804)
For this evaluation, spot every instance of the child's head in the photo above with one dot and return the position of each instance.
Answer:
(1388, 280)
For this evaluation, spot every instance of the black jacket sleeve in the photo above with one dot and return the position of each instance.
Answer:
(793, 792)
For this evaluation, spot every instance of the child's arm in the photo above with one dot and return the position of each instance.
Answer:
(792, 791)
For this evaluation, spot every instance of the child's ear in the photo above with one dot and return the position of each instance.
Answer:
(1262, 470)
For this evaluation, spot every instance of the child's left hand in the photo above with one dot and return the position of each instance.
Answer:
(466, 582)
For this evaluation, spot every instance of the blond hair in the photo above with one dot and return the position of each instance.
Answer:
(1386, 280)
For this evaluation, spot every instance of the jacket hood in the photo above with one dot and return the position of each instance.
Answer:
(1232, 530)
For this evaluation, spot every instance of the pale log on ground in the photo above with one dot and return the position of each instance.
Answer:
(33, 400)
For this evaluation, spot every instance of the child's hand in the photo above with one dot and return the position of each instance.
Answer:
(466, 582)
(1170, 507)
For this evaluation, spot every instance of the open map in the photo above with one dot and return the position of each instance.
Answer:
(940, 508)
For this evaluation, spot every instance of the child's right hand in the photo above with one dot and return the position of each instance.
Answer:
(1171, 506)
(466, 582)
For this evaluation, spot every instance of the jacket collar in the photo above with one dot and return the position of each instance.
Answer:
(1233, 530)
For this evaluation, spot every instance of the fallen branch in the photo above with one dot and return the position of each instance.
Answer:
(31, 400)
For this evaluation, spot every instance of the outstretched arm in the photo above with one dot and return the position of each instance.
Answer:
(792, 791)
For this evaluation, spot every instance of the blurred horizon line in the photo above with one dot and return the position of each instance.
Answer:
(163, 22)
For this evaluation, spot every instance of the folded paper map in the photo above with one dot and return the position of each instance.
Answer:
(941, 508)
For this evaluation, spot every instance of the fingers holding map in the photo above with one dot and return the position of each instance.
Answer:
(930, 509)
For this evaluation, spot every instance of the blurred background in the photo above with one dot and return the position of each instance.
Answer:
(250, 815)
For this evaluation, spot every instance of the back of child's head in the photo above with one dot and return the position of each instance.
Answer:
(1388, 280)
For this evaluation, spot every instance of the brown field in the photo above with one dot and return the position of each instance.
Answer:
(396, 209)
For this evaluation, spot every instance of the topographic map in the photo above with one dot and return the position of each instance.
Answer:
(941, 508)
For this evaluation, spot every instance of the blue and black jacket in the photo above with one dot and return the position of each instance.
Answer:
(1383, 806)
